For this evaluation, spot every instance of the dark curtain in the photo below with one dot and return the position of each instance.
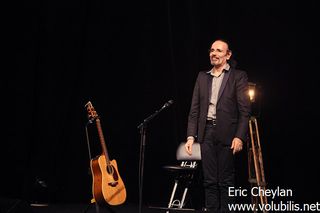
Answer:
(128, 59)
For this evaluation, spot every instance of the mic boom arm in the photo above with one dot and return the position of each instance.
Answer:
(145, 121)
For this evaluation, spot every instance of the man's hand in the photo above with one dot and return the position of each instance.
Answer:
(188, 145)
(237, 145)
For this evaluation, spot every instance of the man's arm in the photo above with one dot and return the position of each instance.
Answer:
(194, 111)
(193, 117)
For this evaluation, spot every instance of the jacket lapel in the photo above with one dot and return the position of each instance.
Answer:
(209, 86)
(224, 82)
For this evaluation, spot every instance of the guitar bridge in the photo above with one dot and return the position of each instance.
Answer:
(113, 184)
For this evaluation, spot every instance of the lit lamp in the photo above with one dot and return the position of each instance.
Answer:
(252, 92)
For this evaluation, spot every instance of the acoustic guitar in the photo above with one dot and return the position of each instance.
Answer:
(107, 184)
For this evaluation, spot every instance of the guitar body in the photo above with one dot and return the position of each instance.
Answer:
(107, 184)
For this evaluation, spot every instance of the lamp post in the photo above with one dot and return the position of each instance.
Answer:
(255, 161)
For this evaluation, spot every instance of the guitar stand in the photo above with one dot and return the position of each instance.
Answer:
(97, 207)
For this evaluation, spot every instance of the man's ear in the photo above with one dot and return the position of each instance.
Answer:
(229, 54)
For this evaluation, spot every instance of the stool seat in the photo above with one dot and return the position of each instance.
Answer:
(178, 168)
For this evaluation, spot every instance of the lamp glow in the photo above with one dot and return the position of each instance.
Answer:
(251, 92)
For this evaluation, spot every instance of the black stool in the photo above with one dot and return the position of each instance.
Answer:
(183, 175)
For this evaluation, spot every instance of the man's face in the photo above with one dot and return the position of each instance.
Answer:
(219, 53)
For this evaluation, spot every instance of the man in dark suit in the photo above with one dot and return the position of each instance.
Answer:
(218, 120)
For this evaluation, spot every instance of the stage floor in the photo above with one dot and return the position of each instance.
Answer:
(83, 208)
(21, 206)
(90, 208)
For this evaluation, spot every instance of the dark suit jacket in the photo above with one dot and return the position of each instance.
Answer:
(233, 106)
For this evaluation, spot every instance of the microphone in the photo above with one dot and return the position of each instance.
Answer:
(145, 121)
(169, 103)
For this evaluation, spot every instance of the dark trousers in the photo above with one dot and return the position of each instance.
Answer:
(218, 171)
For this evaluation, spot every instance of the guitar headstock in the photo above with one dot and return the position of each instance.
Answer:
(92, 114)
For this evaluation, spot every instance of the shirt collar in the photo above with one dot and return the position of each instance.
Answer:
(226, 68)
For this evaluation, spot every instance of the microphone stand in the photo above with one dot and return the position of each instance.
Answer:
(143, 130)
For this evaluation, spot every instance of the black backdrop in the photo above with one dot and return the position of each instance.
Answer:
(128, 59)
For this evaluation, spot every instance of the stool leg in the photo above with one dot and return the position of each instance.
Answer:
(173, 193)
(183, 197)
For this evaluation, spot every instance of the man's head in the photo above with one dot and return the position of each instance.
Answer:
(219, 53)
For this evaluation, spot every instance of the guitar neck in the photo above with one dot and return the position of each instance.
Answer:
(102, 141)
